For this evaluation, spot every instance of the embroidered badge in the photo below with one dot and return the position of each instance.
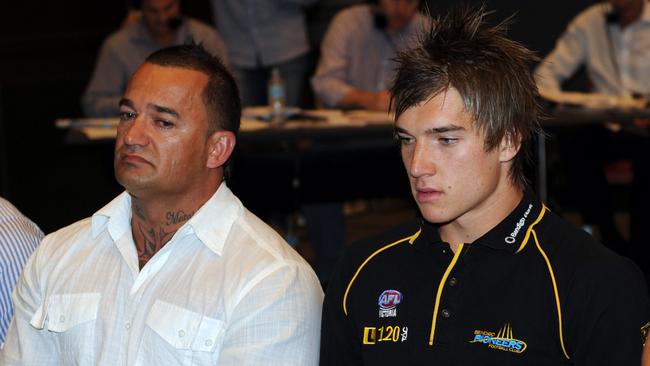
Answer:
(388, 301)
(503, 341)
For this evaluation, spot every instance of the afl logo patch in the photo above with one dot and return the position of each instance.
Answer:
(388, 301)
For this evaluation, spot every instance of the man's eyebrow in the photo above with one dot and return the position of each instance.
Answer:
(443, 129)
(398, 129)
(126, 103)
(166, 110)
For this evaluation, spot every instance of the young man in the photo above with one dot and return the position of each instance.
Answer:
(488, 275)
(174, 270)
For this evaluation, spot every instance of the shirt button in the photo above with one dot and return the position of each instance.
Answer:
(453, 281)
(127, 325)
(62, 318)
(445, 313)
(444, 251)
(208, 342)
(181, 333)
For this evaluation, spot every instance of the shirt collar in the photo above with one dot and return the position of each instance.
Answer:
(114, 217)
(429, 235)
(508, 235)
(211, 223)
(512, 231)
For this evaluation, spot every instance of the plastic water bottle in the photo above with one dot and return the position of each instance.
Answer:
(276, 95)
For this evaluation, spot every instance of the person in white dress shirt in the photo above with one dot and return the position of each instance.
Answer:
(611, 40)
(174, 271)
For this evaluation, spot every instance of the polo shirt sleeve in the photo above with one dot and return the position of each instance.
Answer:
(339, 346)
(609, 315)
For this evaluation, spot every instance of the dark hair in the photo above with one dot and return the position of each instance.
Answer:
(492, 73)
(220, 95)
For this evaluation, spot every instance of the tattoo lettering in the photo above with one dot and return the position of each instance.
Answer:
(177, 217)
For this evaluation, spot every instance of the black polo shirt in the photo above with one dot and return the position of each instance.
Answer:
(532, 291)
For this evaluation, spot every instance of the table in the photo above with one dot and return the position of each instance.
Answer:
(356, 128)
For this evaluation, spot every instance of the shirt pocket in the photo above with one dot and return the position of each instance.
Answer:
(194, 338)
(71, 318)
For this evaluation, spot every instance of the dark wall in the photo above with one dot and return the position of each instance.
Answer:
(47, 52)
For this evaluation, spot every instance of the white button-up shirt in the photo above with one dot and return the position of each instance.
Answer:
(617, 60)
(355, 54)
(225, 290)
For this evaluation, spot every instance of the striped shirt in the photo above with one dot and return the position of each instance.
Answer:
(18, 239)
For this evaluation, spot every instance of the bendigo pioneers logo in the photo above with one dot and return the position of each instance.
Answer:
(388, 301)
(503, 341)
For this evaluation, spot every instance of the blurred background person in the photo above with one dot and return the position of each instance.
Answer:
(159, 24)
(612, 40)
(18, 239)
(262, 35)
(356, 63)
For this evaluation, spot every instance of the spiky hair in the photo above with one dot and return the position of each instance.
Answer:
(492, 73)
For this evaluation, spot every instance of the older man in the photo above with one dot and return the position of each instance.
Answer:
(174, 270)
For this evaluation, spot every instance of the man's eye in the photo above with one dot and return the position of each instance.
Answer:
(448, 140)
(125, 116)
(164, 124)
(403, 140)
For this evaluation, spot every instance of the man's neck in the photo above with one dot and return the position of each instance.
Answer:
(153, 225)
(482, 219)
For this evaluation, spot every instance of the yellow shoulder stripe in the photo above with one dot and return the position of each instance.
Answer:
(409, 239)
(530, 228)
(556, 293)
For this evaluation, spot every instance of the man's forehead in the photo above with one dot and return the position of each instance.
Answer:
(440, 110)
(163, 75)
(164, 84)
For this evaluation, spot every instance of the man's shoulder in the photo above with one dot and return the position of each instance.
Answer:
(123, 36)
(361, 250)
(256, 239)
(591, 15)
(577, 254)
(67, 234)
(199, 28)
(357, 13)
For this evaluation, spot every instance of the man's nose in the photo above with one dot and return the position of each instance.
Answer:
(422, 161)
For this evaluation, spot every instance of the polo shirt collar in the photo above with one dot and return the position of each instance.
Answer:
(508, 235)
(211, 223)
(429, 235)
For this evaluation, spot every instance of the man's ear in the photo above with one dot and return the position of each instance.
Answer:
(220, 146)
(509, 147)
